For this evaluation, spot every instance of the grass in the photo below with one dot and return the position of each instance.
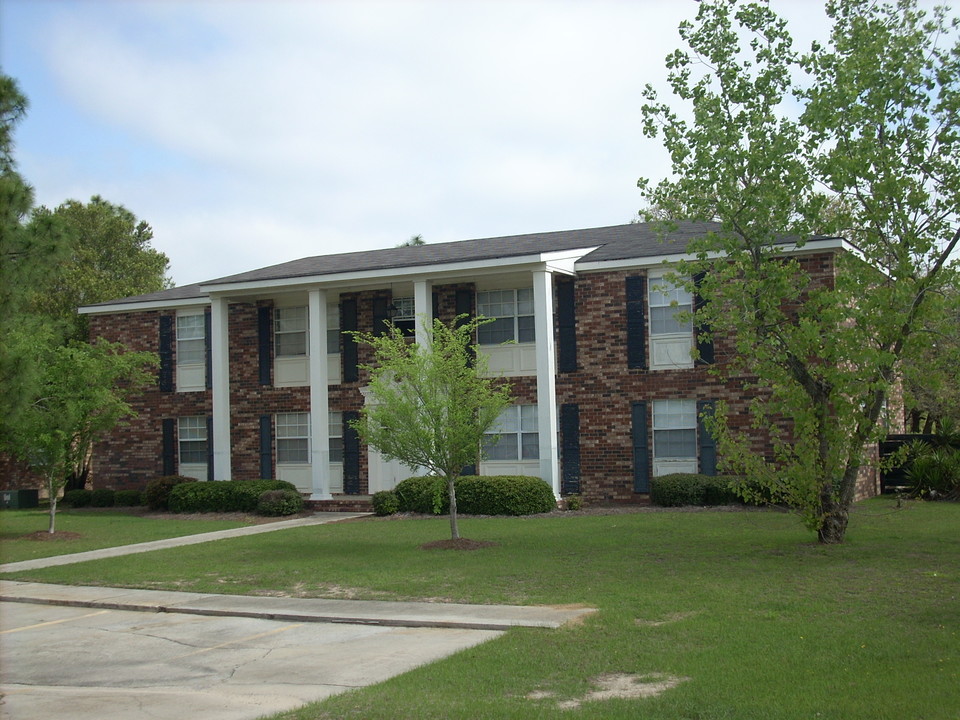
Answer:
(97, 529)
(760, 620)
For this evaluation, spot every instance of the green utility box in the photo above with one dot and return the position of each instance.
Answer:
(19, 499)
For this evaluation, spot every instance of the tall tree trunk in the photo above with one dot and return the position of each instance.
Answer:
(834, 515)
(52, 491)
(452, 493)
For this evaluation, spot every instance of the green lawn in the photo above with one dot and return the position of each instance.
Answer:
(97, 529)
(756, 618)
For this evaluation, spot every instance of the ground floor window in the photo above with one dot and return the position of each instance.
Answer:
(192, 440)
(293, 438)
(675, 430)
(519, 438)
(336, 437)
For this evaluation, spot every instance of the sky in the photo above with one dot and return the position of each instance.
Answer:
(252, 132)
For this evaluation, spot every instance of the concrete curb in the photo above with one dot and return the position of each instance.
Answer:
(356, 612)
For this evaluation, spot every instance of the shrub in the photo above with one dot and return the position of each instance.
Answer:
(503, 495)
(157, 493)
(574, 502)
(223, 496)
(279, 502)
(934, 472)
(423, 494)
(76, 498)
(102, 497)
(385, 502)
(678, 489)
(128, 498)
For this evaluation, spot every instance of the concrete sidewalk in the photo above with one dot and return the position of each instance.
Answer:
(320, 518)
(313, 610)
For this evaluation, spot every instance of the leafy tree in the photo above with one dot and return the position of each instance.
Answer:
(433, 401)
(413, 241)
(109, 257)
(866, 146)
(28, 251)
(83, 394)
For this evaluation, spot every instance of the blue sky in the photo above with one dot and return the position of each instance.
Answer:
(249, 133)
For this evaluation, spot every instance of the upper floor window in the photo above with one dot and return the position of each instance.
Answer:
(190, 339)
(333, 329)
(519, 438)
(671, 337)
(404, 317)
(512, 313)
(293, 438)
(290, 331)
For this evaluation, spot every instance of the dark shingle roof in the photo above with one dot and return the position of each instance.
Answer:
(616, 242)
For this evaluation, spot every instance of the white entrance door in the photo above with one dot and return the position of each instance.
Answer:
(384, 475)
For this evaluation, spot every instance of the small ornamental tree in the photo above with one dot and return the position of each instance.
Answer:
(865, 147)
(433, 401)
(83, 394)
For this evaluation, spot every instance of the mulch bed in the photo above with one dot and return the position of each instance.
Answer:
(458, 544)
(44, 535)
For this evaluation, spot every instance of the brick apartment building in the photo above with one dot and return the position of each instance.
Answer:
(256, 379)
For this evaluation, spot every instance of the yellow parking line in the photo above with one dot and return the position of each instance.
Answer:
(53, 622)
(238, 640)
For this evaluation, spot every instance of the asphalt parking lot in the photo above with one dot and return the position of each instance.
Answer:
(87, 663)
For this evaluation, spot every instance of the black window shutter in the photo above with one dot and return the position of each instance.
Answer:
(636, 322)
(570, 448)
(381, 317)
(566, 327)
(348, 322)
(701, 331)
(207, 348)
(169, 451)
(351, 454)
(209, 448)
(265, 341)
(463, 304)
(166, 353)
(641, 448)
(706, 441)
(266, 447)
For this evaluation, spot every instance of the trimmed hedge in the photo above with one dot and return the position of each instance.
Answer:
(279, 502)
(476, 495)
(77, 498)
(128, 498)
(385, 502)
(157, 493)
(102, 498)
(680, 489)
(222, 496)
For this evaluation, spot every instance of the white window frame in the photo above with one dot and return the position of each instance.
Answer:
(297, 316)
(336, 436)
(192, 431)
(191, 351)
(671, 348)
(292, 427)
(519, 440)
(671, 417)
(333, 329)
(512, 312)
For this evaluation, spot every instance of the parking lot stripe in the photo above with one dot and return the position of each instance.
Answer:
(238, 640)
(53, 622)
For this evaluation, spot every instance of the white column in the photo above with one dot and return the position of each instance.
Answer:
(319, 397)
(547, 420)
(423, 310)
(220, 369)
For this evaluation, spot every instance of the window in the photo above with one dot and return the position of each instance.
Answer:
(519, 439)
(512, 313)
(290, 331)
(293, 438)
(671, 340)
(674, 429)
(663, 312)
(405, 317)
(336, 437)
(333, 329)
(192, 436)
(190, 339)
